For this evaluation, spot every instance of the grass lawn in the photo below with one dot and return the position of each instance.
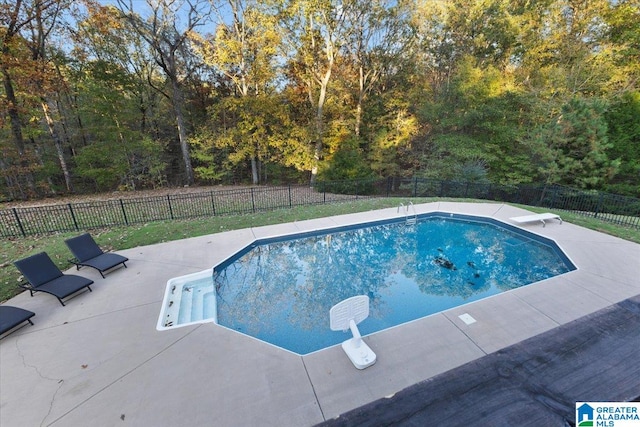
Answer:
(119, 238)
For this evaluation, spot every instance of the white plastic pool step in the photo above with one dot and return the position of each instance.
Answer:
(188, 300)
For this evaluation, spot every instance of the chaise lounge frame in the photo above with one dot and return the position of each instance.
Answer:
(42, 275)
(11, 317)
(87, 253)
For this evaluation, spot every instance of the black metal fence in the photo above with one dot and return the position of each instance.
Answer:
(16, 222)
(620, 210)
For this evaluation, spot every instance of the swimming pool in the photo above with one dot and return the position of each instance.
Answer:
(280, 289)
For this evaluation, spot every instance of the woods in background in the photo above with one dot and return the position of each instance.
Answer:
(144, 94)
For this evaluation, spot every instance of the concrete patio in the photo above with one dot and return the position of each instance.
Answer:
(100, 360)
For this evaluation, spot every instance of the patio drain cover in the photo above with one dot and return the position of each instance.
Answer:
(466, 318)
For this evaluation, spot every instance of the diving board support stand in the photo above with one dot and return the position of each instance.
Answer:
(345, 316)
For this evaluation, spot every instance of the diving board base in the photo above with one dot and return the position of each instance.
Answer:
(361, 356)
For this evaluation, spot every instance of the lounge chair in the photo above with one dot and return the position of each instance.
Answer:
(88, 254)
(10, 317)
(42, 275)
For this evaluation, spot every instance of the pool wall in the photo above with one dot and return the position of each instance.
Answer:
(191, 304)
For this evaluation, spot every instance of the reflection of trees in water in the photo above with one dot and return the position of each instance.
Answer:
(295, 279)
(485, 256)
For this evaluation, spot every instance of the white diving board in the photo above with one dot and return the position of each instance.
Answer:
(535, 218)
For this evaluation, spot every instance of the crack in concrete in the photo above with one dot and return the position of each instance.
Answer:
(315, 395)
(124, 375)
(60, 381)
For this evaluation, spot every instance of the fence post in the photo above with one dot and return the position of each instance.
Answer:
(553, 196)
(15, 213)
(290, 202)
(73, 216)
(599, 207)
(124, 213)
(415, 187)
(213, 204)
(253, 202)
(170, 208)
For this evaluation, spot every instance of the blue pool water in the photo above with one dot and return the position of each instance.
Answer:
(281, 291)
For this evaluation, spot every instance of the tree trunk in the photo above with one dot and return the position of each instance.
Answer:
(254, 171)
(317, 149)
(182, 131)
(14, 116)
(58, 144)
(358, 117)
(360, 101)
(11, 30)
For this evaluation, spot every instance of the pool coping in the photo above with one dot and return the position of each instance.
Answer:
(169, 316)
(101, 358)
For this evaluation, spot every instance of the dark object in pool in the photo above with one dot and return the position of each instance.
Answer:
(443, 262)
(476, 275)
(471, 264)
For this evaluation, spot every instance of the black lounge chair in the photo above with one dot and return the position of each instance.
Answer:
(88, 253)
(10, 317)
(43, 275)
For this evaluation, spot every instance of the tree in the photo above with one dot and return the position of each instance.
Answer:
(168, 40)
(573, 148)
(313, 32)
(49, 83)
(623, 32)
(567, 54)
(114, 103)
(623, 120)
(30, 60)
(379, 40)
(104, 40)
(241, 127)
(244, 50)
